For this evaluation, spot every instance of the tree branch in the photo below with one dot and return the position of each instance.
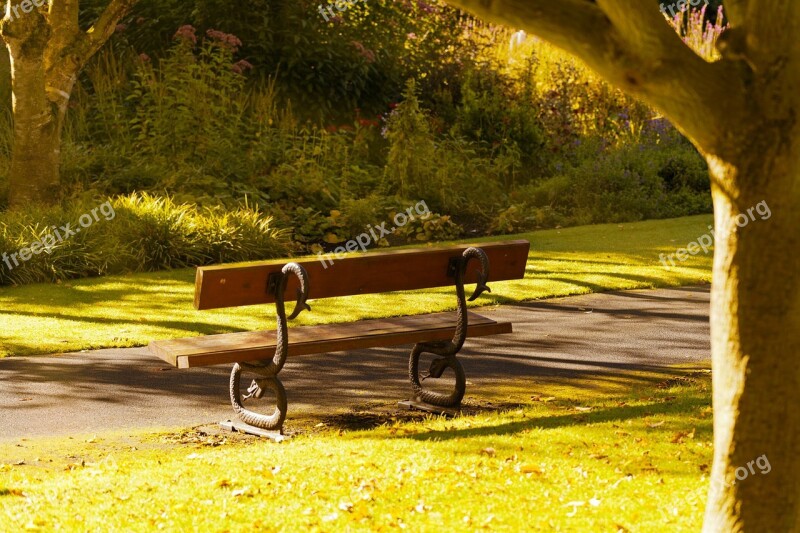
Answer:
(64, 13)
(96, 36)
(630, 44)
(63, 20)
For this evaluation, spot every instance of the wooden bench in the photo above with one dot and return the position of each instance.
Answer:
(264, 352)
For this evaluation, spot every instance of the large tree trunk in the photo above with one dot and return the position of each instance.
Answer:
(742, 113)
(35, 158)
(47, 50)
(755, 321)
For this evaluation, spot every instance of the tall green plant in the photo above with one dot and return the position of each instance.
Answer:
(411, 158)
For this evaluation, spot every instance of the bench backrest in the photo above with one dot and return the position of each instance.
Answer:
(400, 270)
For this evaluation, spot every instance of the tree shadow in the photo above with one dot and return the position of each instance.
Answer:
(612, 414)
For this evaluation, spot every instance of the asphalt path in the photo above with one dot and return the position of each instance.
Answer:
(590, 337)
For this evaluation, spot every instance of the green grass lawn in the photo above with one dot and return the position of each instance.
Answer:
(124, 311)
(631, 462)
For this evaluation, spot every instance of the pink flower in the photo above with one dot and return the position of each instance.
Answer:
(120, 28)
(242, 66)
(187, 33)
(144, 58)
(364, 52)
(427, 8)
(412, 36)
(227, 40)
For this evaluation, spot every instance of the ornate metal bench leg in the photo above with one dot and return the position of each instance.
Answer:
(437, 368)
(268, 370)
(447, 351)
(257, 388)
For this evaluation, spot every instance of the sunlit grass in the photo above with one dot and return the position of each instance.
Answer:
(123, 311)
(634, 462)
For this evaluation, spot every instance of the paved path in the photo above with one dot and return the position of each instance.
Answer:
(594, 335)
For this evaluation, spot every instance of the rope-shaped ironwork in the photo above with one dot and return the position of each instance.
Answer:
(269, 370)
(448, 350)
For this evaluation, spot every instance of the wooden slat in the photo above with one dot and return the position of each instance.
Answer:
(401, 270)
(260, 345)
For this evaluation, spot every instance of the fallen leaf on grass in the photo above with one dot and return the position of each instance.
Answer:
(74, 466)
(531, 469)
(656, 424)
(679, 437)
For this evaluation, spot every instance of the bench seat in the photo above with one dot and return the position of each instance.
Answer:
(260, 345)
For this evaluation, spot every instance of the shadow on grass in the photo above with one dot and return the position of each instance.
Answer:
(691, 404)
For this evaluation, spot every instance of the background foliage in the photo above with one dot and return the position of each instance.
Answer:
(324, 127)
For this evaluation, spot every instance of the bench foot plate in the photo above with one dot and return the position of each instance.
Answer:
(241, 427)
(435, 409)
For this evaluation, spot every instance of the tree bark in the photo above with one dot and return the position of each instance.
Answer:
(37, 128)
(742, 113)
(755, 335)
(47, 49)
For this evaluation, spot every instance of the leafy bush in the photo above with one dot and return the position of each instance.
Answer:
(434, 227)
(412, 150)
(145, 233)
(613, 185)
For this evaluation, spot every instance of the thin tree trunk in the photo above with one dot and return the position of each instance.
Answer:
(755, 325)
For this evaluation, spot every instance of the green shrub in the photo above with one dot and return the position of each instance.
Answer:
(146, 233)
(434, 227)
(412, 150)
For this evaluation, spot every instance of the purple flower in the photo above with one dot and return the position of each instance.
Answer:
(227, 40)
(186, 33)
(242, 66)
